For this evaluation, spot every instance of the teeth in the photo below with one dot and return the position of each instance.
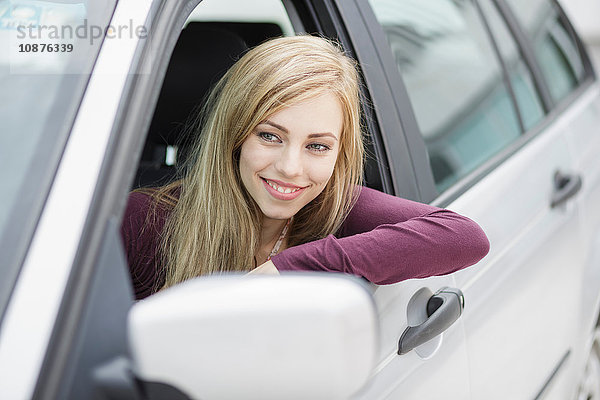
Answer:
(281, 189)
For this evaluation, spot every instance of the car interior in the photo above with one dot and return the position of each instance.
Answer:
(202, 55)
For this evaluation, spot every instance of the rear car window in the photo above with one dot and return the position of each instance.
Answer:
(554, 45)
(521, 79)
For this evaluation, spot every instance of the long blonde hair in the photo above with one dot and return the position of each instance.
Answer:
(215, 224)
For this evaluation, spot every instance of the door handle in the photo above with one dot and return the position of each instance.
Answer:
(565, 187)
(443, 309)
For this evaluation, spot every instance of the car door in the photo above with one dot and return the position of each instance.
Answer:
(438, 368)
(573, 89)
(499, 153)
(550, 254)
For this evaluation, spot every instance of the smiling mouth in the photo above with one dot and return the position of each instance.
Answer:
(282, 189)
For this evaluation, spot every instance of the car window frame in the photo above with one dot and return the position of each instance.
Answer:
(526, 48)
(528, 52)
(380, 75)
(331, 20)
(502, 63)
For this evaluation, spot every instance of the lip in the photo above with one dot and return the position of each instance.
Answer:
(279, 195)
(281, 183)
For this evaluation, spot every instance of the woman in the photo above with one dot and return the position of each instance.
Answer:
(274, 184)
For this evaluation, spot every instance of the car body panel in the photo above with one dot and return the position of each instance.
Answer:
(443, 359)
(583, 135)
(529, 280)
(522, 336)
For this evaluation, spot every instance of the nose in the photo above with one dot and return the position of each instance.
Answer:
(289, 163)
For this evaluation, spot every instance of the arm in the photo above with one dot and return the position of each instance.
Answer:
(386, 239)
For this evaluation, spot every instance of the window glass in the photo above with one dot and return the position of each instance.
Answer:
(454, 82)
(31, 85)
(554, 48)
(528, 99)
(47, 50)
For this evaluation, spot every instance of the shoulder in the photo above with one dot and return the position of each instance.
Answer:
(138, 203)
(134, 218)
(141, 229)
(136, 212)
(152, 200)
(143, 214)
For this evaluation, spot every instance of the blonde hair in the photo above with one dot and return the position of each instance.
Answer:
(215, 224)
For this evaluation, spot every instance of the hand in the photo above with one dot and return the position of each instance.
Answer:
(265, 268)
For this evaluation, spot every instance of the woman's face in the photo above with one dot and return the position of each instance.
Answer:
(288, 158)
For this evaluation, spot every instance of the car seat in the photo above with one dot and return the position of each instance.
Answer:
(203, 53)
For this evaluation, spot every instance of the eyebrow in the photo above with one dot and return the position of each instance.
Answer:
(312, 135)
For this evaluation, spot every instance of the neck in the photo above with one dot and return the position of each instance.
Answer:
(271, 229)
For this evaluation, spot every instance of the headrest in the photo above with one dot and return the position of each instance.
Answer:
(200, 58)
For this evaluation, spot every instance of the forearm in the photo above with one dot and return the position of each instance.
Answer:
(437, 243)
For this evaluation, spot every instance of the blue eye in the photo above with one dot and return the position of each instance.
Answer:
(268, 137)
(318, 147)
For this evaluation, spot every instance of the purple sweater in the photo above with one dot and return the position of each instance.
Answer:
(384, 239)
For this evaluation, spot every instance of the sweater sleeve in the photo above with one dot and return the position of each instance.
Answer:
(140, 233)
(387, 239)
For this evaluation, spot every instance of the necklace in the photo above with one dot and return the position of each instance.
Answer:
(280, 240)
(277, 245)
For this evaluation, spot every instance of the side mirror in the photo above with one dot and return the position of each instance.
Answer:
(304, 336)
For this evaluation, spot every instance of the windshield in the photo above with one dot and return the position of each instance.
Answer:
(47, 50)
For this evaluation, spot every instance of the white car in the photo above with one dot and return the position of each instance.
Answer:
(487, 107)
